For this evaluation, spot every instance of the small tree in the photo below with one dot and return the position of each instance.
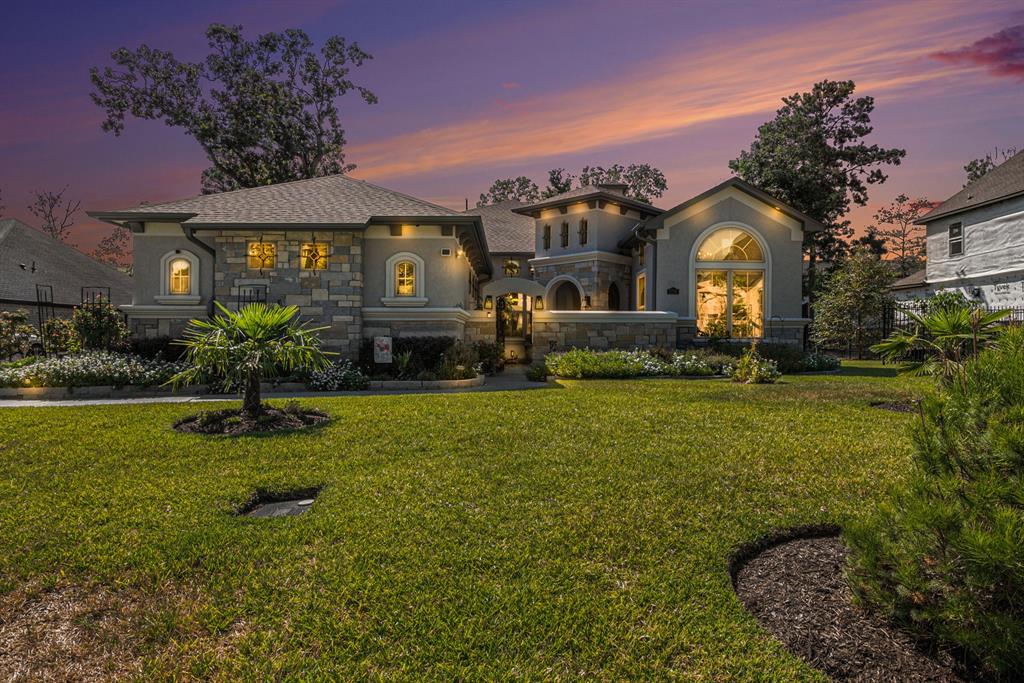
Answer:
(99, 326)
(55, 213)
(853, 302)
(247, 345)
(903, 238)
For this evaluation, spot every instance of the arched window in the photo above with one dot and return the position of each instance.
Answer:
(405, 278)
(180, 277)
(730, 284)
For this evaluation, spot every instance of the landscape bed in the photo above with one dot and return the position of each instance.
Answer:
(556, 534)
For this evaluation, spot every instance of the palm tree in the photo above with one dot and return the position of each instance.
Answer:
(247, 345)
(947, 335)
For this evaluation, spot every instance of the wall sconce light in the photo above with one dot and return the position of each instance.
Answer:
(488, 302)
(460, 252)
(586, 302)
(538, 303)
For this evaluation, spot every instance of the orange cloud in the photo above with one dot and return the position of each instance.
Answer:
(884, 48)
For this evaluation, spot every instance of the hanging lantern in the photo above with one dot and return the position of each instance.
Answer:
(538, 303)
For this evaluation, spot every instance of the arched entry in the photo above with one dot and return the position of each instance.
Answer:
(613, 297)
(566, 297)
(513, 300)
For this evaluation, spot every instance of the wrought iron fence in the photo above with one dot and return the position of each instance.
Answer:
(897, 316)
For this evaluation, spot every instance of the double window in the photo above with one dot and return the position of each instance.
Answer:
(547, 237)
(730, 283)
(956, 239)
(583, 231)
(565, 234)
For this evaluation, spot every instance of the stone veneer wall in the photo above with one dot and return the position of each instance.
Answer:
(331, 298)
(595, 277)
(480, 329)
(560, 335)
(156, 327)
(413, 328)
(776, 332)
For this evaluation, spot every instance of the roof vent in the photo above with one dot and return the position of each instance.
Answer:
(614, 188)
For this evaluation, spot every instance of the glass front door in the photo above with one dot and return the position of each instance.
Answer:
(730, 303)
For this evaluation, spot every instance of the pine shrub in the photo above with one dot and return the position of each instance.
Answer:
(944, 556)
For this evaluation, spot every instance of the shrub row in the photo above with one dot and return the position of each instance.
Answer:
(588, 364)
(92, 368)
(429, 358)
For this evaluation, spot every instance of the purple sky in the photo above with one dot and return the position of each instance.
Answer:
(470, 90)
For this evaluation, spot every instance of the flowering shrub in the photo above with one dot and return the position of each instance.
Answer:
(341, 375)
(753, 369)
(100, 326)
(59, 335)
(90, 369)
(585, 364)
(15, 333)
(819, 362)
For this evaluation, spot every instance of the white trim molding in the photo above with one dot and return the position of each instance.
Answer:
(433, 314)
(165, 297)
(580, 257)
(390, 297)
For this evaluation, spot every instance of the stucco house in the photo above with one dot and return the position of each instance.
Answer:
(975, 239)
(590, 267)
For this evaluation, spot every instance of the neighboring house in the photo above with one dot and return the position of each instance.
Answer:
(975, 239)
(911, 287)
(33, 265)
(590, 267)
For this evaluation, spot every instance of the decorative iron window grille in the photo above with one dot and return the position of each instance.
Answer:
(313, 256)
(262, 255)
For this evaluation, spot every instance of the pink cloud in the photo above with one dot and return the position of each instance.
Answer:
(511, 85)
(1002, 53)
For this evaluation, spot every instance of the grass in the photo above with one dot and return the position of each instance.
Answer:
(559, 533)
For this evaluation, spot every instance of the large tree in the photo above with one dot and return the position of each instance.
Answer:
(853, 303)
(813, 156)
(56, 214)
(904, 240)
(642, 181)
(976, 168)
(520, 189)
(264, 111)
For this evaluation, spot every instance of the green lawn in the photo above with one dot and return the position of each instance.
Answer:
(578, 531)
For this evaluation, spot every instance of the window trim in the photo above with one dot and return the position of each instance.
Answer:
(950, 240)
(391, 296)
(165, 296)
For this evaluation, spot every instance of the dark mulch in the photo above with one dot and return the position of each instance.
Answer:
(797, 591)
(896, 406)
(232, 422)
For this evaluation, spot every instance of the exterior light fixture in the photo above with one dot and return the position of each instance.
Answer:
(538, 303)
(460, 252)
(586, 302)
(488, 302)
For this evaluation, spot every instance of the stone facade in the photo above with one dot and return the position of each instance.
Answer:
(554, 332)
(595, 276)
(414, 328)
(331, 298)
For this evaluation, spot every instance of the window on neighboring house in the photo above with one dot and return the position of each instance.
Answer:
(956, 239)
(179, 277)
(583, 231)
(262, 255)
(511, 268)
(547, 236)
(313, 256)
(565, 234)
(641, 292)
(405, 278)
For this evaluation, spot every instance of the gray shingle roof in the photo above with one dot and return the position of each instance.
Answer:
(1002, 182)
(57, 264)
(507, 232)
(915, 279)
(330, 200)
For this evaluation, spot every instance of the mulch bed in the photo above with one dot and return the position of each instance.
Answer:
(797, 591)
(232, 423)
(895, 406)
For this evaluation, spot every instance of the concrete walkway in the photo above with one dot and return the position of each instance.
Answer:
(512, 379)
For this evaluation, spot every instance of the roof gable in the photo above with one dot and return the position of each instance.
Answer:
(1002, 182)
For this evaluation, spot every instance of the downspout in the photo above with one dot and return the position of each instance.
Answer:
(190, 235)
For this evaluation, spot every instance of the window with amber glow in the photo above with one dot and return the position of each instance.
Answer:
(180, 277)
(262, 255)
(511, 268)
(405, 279)
(641, 292)
(313, 256)
(730, 293)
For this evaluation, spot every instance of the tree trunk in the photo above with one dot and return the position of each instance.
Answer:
(251, 396)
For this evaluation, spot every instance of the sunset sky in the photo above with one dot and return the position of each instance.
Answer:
(472, 90)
